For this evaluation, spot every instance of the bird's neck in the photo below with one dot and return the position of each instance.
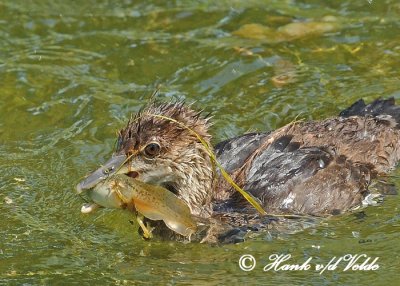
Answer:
(194, 183)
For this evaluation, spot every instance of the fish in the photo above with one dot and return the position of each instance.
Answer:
(151, 201)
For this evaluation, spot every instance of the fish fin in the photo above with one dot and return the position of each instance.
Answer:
(181, 228)
(146, 231)
(148, 210)
(183, 225)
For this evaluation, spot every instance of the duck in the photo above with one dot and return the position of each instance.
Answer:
(315, 168)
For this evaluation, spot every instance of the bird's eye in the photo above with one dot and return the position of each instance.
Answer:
(152, 149)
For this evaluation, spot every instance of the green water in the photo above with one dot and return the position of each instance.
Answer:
(71, 72)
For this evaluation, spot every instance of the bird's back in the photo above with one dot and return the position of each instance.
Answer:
(316, 167)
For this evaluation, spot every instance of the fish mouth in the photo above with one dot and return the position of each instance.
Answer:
(111, 167)
(98, 188)
(113, 192)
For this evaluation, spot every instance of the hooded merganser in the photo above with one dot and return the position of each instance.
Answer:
(316, 168)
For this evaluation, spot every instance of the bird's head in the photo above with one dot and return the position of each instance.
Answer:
(159, 146)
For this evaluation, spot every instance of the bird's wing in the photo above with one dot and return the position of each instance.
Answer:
(308, 180)
(233, 153)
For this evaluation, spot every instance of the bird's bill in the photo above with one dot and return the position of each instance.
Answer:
(111, 167)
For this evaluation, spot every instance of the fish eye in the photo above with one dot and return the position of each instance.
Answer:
(152, 149)
(108, 170)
